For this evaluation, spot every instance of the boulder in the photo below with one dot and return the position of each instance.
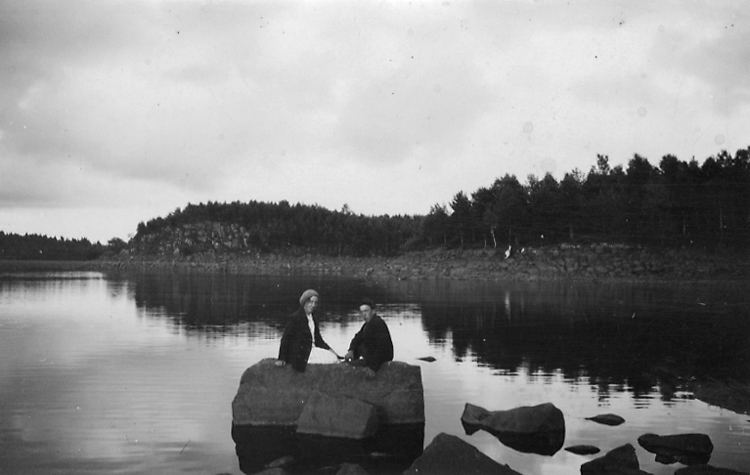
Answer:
(272, 396)
(619, 461)
(707, 470)
(537, 429)
(337, 417)
(449, 455)
(607, 419)
(688, 449)
(520, 420)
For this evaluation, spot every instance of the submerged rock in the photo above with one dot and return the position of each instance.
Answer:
(449, 455)
(619, 461)
(273, 396)
(583, 449)
(607, 419)
(688, 449)
(531, 429)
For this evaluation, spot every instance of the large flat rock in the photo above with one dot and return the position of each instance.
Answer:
(337, 417)
(273, 396)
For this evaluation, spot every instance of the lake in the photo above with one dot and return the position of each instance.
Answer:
(135, 374)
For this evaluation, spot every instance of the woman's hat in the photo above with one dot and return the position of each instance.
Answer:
(307, 295)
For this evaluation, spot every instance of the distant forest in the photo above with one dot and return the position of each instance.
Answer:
(36, 247)
(703, 206)
(676, 204)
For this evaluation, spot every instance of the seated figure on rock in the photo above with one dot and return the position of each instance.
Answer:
(301, 342)
(372, 345)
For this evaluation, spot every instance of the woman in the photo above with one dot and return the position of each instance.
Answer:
(301, 342)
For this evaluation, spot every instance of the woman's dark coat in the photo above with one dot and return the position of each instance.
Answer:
(373, 343)
(296, 342)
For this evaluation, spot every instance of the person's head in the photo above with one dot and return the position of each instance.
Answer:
(367, 309)
(309, 300)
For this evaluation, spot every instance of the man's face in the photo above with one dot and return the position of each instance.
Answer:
(311, 304)
(366, 312)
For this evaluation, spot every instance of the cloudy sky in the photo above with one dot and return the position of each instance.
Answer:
(113, 113)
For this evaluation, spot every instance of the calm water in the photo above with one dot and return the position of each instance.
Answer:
(107, 374)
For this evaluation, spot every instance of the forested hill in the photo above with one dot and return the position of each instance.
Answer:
(677, 204)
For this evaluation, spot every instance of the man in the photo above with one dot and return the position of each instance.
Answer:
(372, 345)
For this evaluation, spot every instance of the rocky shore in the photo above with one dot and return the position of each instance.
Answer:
(596, 262)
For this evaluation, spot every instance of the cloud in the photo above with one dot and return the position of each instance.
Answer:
(150, 105)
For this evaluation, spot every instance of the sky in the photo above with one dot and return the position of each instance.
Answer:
(117, 112)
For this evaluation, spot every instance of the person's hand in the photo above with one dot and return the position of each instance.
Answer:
(280, 363)
(349, 355)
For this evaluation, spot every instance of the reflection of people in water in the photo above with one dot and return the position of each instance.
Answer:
(372, 345)
(301, 342)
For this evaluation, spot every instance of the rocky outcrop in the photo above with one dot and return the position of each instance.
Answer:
(273, 396)
(449, 455)
(619, 461)
(532, 429)
(688, 449)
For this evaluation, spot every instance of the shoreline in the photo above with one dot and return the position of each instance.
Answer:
(594, 263)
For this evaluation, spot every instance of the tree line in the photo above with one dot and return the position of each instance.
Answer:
(39, 247)
(675, 204)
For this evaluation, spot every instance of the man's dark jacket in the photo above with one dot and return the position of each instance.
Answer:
(296, 343)
(373, 343)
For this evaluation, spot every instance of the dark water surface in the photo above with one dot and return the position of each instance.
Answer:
(136, 374)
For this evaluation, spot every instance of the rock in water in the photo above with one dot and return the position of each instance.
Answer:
(530, 429)
(521, 420)
(583, 449)
(620, 461)
(689, 449)
(607, 419)
(449, 455)
(273, 396)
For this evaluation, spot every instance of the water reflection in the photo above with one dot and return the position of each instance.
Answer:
(392, 450)
(634, 337)
(135, 374)
(218, 302)
(622, 337)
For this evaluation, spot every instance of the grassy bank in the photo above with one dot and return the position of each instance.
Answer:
(598, 262)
